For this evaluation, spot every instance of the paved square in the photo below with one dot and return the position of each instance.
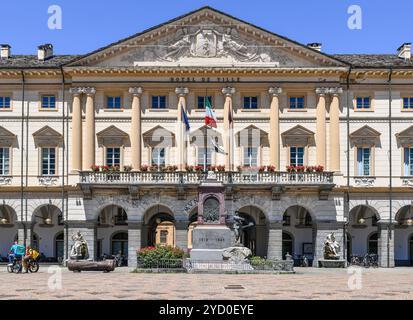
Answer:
(307, 283)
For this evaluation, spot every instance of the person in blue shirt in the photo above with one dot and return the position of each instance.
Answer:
(16, 251)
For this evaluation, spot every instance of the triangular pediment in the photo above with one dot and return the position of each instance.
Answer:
(112, 131)
(406, 133)
(159, 136)
(47, 137)
(365, 132)
(206, 38)
(112, 136)
(298, 131)
(298, 136)
(7, 138)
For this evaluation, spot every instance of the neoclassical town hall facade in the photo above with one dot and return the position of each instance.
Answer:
(68, 123)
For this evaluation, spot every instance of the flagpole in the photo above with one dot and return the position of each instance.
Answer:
(205, 135)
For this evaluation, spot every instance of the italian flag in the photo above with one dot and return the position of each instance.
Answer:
(210, 118)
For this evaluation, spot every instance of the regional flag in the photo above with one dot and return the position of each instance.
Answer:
(185, 119)
(210, 118)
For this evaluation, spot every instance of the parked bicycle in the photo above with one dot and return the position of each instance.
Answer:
(367, 261)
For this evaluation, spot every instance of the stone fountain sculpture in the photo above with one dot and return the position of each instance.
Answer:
(331, 248)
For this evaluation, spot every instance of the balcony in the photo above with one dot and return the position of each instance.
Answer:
(195, 178)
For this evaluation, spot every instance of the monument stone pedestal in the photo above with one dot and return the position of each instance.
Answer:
(209, 241)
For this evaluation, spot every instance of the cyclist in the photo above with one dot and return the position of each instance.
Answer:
(17, 251)
(26, 259)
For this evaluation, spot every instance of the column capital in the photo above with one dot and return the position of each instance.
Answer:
(336, 91)
(322, 91)
(76, 91)
(136, 91)
(181, 91)
(90, 91)
(275, 91)
(228, 91)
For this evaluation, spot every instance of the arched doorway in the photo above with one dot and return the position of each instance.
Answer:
(159, 228)
(47, 221)
(402, 236)
(255, 237)
(112, 220)
(363, 230)
(8, 230)
(287, 244)
(59, 246)
(298, 223)
(119, 243)
(372, 245)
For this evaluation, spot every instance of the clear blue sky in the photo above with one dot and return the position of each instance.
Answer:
(91, 24)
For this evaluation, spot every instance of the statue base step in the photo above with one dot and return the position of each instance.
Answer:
(86, 265)
(325, 263)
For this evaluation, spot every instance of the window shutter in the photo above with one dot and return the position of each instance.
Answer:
(406, 162)
(360, 161)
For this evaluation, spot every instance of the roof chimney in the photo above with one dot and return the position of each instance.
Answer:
(404, 51)
(4, 51)
(44, 51)
(314, 46)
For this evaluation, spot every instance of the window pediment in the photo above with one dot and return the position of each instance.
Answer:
(405, 138)
(252, 136)
(47, 137)
(365, 136)
(298, 135)
(112, 136)
(198, 137)
(159, 137)
(7, 138)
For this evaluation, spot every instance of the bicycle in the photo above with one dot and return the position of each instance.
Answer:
(16, 266)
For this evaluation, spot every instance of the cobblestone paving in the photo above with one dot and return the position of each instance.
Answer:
(306, 283)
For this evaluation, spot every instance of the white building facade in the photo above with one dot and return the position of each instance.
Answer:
(312, 143)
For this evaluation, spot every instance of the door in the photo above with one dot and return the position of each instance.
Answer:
(411, 250)
(287, 245)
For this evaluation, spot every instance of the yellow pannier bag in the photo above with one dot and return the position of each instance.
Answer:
(34, 254)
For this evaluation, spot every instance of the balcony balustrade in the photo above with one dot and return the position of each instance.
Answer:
(194, 178)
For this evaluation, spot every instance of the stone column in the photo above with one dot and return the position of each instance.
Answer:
(228, 128)
(88, 230)
(24, 233)
(275, 127)
(275, 241)
(321, 127)
(335, 130)
(136, 128)
(181, 234)
(76, 130)
(321, 230)
(89, 159)
(385, 244)
(181, 139)
(134, 242)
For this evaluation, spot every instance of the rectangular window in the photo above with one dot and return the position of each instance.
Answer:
(250, 156)
(48, 161)
(297, 103)
(158, 157)
(4, 161)
(408, 103)
(408, 161)
(5, 102)
(158, 102)
(363, 103)
(296, 156)
(202, 102)
(204, 156)
(113, 102)
(363, 161)
(48, 102)
(250, 102)
(163, 237)
(113, 157)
